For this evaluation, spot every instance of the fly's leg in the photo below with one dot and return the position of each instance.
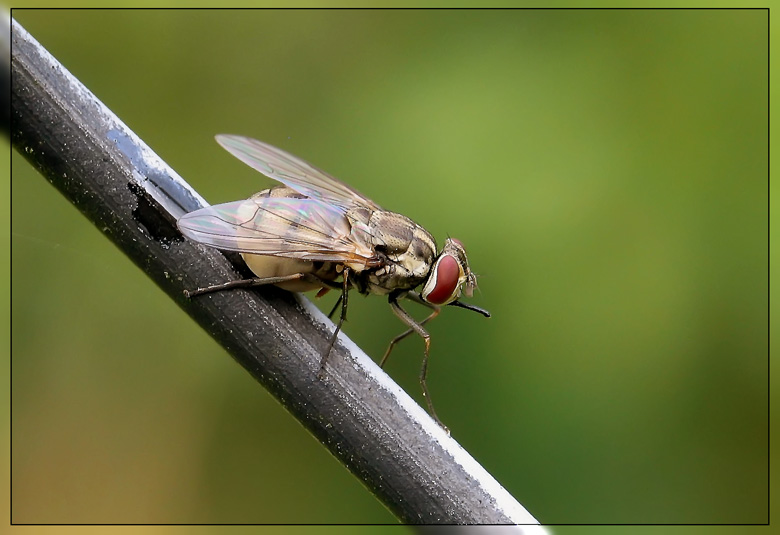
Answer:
(414, 297)
(335, 307)
(308, 277)
(343, 300)
(258, 281)
(404, 316)
(245, 283)
(403, 335)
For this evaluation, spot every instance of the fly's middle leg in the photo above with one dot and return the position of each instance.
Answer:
(343, 301)
(306, 277)
(335, 307)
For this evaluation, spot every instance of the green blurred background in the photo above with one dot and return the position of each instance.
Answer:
(607, 171)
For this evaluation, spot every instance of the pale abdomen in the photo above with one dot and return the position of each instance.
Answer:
(264, 266)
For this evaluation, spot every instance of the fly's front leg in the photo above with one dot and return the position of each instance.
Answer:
(343, 300)
(404, 316)
(414, 296)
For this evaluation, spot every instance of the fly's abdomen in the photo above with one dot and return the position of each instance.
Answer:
(264, 266)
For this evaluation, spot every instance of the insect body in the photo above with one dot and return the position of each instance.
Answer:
(314, 229)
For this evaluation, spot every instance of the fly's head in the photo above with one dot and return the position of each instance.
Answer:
(449, 276)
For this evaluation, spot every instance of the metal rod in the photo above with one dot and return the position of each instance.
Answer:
(377, 431)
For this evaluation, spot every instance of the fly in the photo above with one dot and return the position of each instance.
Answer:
(314, 230)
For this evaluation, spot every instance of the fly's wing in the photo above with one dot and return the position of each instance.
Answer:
(306, 229)
(294, 172)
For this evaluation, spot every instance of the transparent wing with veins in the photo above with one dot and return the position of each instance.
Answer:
(294, 172)
(305, 229)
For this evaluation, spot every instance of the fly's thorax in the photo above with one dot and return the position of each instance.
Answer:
(449, 275)
(397, 236)
(407, 251)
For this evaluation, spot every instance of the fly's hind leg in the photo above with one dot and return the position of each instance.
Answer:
(248, 283)
(414, 326)
(260, 281)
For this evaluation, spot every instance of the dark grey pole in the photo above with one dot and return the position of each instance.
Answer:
(374, 428)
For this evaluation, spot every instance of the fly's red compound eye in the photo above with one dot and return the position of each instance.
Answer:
(444, 281)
